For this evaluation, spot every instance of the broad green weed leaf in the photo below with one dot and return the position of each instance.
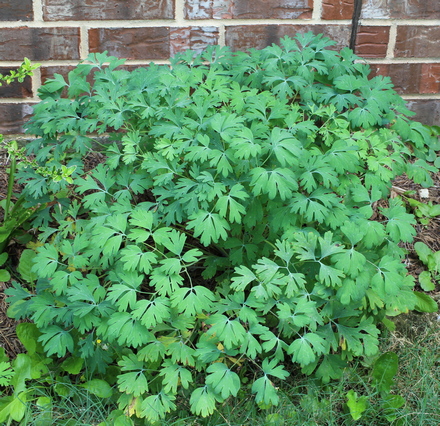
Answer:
(391, 406)
(28, 334)
(25, 265)
(98, 387)
(72, 365)
(13, 407)
(356, 404)
(384, 370)
(426, 281)
(423, 251)
(4, 275)
(425, 303)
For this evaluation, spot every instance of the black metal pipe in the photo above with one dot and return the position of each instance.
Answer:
(355, 23)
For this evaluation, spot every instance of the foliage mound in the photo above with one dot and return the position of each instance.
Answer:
(230, 233)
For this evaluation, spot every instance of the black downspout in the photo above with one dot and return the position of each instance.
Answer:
(355, 23)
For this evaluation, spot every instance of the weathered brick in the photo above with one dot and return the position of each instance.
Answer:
(79, 10)
(39, 44)
(427, 111)
(50, 71)
(411, 78)
(248, 9)
(132, 43)
(337, 9)
(16, 89)
(16, 10)
(417, 41)
(372, 41)
(430, 78)
(13, 117)
(194, 38)
(244, 37)
(401, 9)
(152, 42)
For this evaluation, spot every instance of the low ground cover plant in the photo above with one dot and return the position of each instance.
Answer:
(13, 216)
(229, 236)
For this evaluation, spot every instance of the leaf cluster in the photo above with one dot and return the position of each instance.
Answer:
(383, 372)
(25, 69)
(24, 379)
(229, 232)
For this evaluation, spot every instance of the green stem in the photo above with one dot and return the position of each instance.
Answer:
(10, 186)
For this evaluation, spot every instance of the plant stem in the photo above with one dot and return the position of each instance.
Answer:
(10, 183)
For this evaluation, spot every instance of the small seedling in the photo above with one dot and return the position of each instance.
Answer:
(428, 279)
(424, 211)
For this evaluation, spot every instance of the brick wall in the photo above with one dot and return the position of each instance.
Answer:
(399, 38)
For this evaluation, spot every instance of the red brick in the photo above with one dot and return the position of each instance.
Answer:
(417, 41)
(152, 42)
(248, 9)
(39, 44)
(50, 71)
(411, 78)
(427, 111)
(132, 43)
(194, 38)
(81, 10)
(372, 42)
(16, 89)
(16, 10)
(430, 78)
(13, 117)
(401, 9)
(244, 37)
(337, 9)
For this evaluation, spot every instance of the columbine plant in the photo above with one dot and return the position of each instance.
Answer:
(231, 221)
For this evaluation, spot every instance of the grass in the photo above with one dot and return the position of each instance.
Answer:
(303, 402)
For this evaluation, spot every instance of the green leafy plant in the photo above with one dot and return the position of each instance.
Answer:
(427, 279)
(228, 235)
(17, 215)
(24, 70)
(387, 404)
(33, 381)
(4, 273)
(423, 211)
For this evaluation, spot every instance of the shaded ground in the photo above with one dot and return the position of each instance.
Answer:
(429, 234)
